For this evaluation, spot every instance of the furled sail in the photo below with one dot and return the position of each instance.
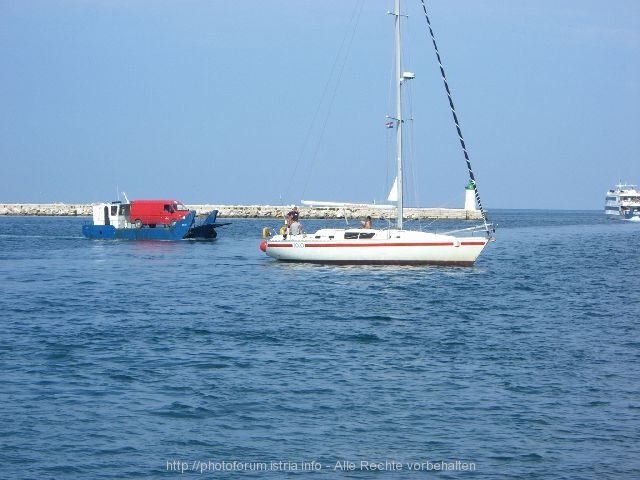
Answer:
(393, 194)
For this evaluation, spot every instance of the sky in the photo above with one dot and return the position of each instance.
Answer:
(254, 102)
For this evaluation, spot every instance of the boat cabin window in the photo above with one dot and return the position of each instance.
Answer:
(114, 210)
(356, 235)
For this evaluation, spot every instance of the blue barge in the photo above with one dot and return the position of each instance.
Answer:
(112, 221)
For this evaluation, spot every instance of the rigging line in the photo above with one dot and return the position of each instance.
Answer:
(412, 164)
(330, 79)
(390, 154)
(347, 42)
(455, 119)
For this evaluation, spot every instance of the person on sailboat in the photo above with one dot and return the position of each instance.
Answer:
(366, 223)
(294, 214)
(294, 226)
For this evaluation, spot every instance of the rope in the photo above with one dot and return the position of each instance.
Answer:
(455, 119)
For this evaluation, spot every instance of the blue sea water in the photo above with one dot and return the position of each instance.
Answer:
(146, 360)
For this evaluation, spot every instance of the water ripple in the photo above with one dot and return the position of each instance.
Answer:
(118, 357)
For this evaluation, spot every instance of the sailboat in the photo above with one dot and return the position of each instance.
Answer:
(395, 246)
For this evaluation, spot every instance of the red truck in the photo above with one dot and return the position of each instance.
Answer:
(157, 212)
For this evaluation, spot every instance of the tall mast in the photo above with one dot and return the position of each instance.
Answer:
(398, 114)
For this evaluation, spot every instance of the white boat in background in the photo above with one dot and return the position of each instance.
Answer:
(623, 202)
(392, 245)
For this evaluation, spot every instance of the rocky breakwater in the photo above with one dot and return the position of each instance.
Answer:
(274, 211)
(45, 209)
(253, 211)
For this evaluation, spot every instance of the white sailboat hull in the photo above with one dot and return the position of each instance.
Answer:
(383, 247)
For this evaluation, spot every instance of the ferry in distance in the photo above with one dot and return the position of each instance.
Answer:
(623, 202)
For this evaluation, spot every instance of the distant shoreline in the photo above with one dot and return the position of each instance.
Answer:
(248, 211)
